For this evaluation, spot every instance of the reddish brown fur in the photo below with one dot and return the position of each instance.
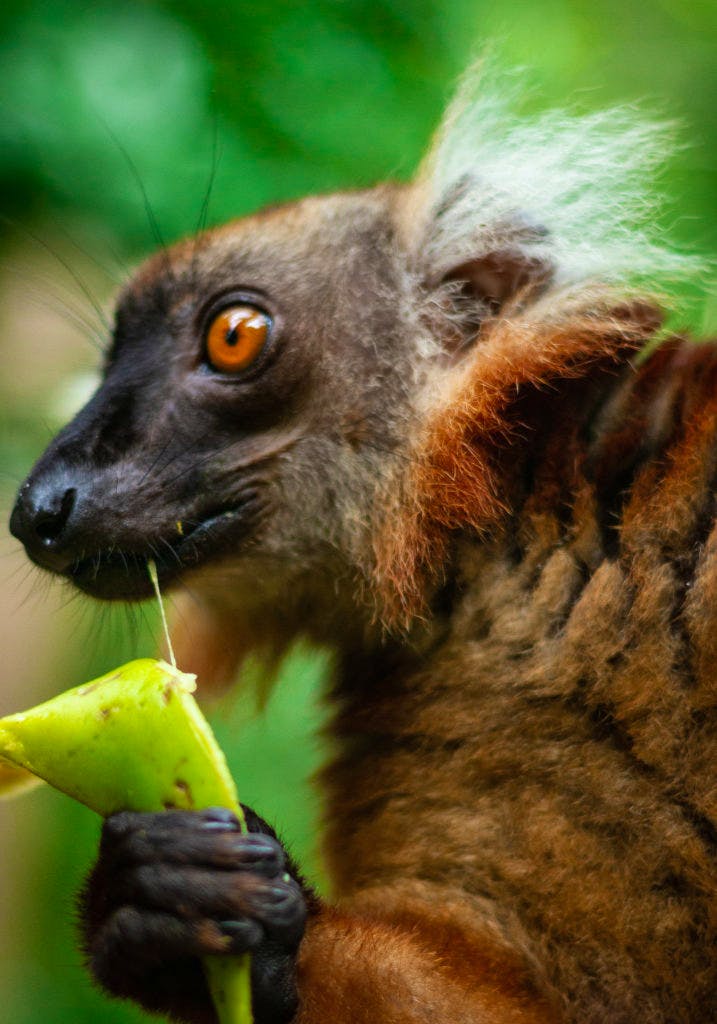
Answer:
(552, 760)
(458, 476)
(426, 971)
(522, 818)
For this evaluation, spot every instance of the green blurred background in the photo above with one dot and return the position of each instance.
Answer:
(107, 109)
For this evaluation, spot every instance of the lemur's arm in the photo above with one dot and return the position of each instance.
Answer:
(170, 888)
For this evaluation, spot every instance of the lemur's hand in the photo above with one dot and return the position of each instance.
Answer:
(170, 888)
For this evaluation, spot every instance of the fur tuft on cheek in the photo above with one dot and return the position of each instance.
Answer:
(459, 473)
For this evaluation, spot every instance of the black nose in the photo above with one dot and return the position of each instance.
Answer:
(40, 520)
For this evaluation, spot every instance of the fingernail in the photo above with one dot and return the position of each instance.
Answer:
(257, 851)
(279, 892)
(219, 819)
(218, 826)
(232, 926)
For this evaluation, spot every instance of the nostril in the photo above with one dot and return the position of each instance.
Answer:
(45, 520)
(51, 520)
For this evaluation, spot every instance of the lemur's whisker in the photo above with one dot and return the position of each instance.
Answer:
(67, 266)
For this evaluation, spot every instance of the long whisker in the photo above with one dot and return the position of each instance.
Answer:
(154, 462)
(122, 264)
(109, 274)
(76, 277)
(43, 295)
(200, 462)
(216, 157)
(169, 547)
(151, 218)
(204, 209)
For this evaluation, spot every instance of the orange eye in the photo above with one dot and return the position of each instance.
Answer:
(235, 338)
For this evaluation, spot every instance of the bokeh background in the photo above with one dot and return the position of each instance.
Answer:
(115, 119)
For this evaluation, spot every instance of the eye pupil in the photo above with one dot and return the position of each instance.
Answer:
(236, 337)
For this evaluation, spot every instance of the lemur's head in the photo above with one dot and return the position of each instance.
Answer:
(313, 398)
(254, 376)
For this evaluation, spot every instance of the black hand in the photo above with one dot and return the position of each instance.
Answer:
(170, 888)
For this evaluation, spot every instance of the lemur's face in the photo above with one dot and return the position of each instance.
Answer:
(252, 378)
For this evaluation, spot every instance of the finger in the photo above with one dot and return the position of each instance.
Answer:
(144, 940)
(213, 819)
(223, 850)
(192, 893)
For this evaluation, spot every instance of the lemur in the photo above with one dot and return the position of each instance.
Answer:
(437, 428)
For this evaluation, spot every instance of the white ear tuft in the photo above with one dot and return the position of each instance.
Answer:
(564, 197)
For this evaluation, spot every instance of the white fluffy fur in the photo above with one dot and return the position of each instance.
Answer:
(583, 183)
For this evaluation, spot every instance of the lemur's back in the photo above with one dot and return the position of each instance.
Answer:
(549, 766)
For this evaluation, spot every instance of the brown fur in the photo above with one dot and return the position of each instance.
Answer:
(554, 757)
(457, 477)
(503, 524)
(522, 822)
(521, 818)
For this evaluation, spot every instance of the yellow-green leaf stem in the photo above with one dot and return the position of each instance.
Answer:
(136, 740)
(154, 577)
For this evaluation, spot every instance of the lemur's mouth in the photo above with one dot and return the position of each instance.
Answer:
(114, 574)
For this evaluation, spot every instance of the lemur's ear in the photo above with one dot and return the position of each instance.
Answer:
(528, 236)
(495, 278)
(505, 206)
(467, 246)
(472, 240)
